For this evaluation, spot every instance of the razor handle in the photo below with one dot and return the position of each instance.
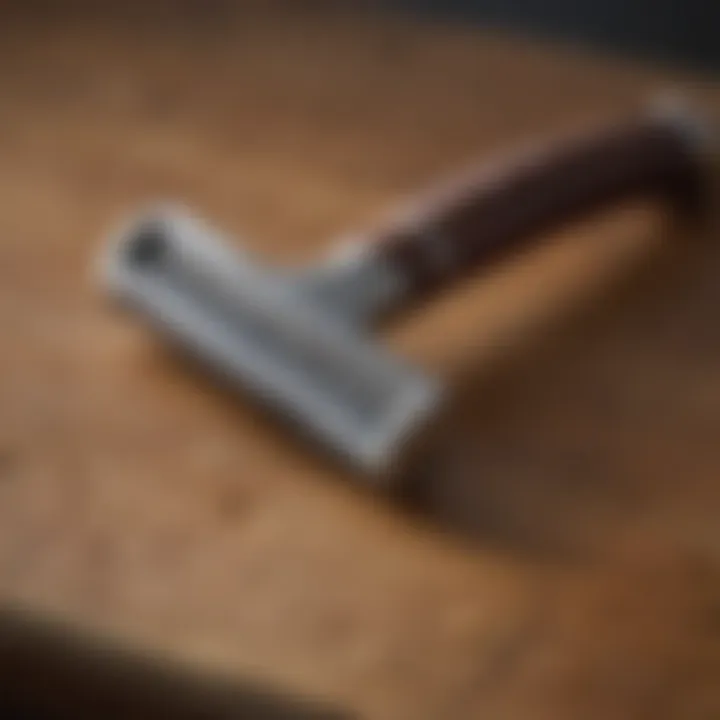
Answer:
(469, 225)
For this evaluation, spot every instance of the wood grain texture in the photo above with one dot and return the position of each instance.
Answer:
(140, 503)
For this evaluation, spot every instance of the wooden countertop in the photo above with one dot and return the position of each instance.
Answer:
(567, 564)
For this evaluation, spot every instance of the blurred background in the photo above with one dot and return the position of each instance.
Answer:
(673, 32)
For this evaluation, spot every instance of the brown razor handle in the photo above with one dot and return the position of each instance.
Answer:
(467, 226)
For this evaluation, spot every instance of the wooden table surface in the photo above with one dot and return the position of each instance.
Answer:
(565, 561)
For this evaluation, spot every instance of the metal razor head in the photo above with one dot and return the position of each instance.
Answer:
(266, 335)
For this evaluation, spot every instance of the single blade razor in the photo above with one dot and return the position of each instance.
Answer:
(302, 342)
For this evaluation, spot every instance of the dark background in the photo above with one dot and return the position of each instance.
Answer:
(683, 33)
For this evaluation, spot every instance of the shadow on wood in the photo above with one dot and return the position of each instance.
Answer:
(600, 424)
(55, 672)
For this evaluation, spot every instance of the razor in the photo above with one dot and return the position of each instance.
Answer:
(302, 341)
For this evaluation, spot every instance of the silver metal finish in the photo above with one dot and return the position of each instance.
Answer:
(297, 345)
(355, 283)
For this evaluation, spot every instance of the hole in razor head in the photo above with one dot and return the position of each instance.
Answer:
(149, 246)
